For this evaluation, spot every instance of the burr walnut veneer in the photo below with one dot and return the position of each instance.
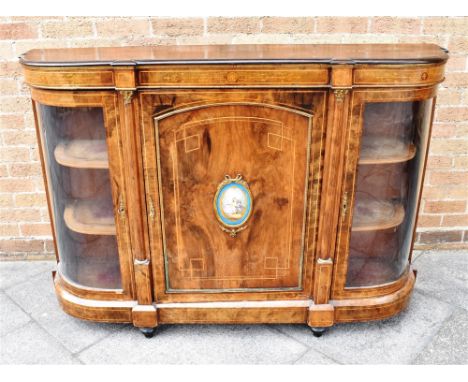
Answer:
(234, 184)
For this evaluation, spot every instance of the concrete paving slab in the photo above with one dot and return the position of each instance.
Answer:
(36, 294)
(197, 344)
(450, 345)
(313, 357)
(432, 330)
(444, 275)
(416, 254)
(37, 297)
(394, 341)
(15, 272)
(32, 345)
(11, 315)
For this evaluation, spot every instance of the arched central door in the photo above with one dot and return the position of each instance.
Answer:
(233, 186)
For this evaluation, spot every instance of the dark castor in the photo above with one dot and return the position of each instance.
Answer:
(317, 332)
(148, 332)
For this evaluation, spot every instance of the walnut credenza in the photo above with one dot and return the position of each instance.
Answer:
(234, 184)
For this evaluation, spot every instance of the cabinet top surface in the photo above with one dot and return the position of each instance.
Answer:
(238, 54)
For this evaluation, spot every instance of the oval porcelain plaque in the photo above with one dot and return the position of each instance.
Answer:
(233, 204)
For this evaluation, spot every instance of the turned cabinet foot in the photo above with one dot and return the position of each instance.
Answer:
(317, 332)
(148, 332)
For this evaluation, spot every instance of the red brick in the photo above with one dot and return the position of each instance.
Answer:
(10, 69)
(438, 207)
(452, 114)
(449, 97)
(25, 45)
(461, 162)
(439, 162)
(118, 27)
(14, 154)
(9, 230)
(3, 171)
(420, 39)
(177, 26)
(397, 25)
(440, 237)
(21, 245)
(449, 146)
(19, 137)
(246, 25)
(38, 184)
(444, 192)
(449, 178)
(443, 130)
(7, 50)
(342, 24)
(458, 44)
(6, 200)
(30, 200)
(71, 27)
(455, 220)
(161, 40)
(11, 121)
(19, 214)
(38, 229)
(49, 246)
(8, 86)
(25, 169)
(456, 80)
(446, 25)
(36, 19)
(15, 104)
(16, 185)
(267, 38)
(460, 131)
(456, 63)
(287, 24)
(17, 31)
(429, 220)
(96, 43)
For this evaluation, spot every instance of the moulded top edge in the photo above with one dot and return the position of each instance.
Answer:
(239, 54)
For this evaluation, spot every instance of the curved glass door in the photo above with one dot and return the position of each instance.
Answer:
(76, 160)
(386, 190)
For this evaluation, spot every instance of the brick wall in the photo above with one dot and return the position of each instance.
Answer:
(24, 221)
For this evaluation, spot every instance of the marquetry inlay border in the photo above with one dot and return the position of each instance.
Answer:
(306, 200)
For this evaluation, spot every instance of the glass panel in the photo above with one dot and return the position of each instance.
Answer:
(389, 174)
(74, 144)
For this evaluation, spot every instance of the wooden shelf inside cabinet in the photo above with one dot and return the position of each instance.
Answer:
(372, 215)
(90, 217)
(82, 153)
(382, 150)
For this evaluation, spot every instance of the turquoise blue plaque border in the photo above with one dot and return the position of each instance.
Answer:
(243, 219)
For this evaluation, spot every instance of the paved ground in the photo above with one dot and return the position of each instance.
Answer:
(433, 330)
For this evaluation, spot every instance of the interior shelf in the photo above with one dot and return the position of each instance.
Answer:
(373, 215)
(383, 150)
(82, 153)
(90, 217)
